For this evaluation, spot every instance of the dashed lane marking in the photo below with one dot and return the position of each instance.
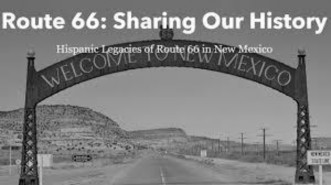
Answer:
(163, 182)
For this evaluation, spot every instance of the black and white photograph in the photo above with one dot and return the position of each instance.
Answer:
(151, 92)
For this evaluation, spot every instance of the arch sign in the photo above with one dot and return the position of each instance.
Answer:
(165, 53)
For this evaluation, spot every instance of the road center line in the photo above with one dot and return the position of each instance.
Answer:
(162, 177)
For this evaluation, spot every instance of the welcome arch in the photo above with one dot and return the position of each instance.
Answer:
(86, 66)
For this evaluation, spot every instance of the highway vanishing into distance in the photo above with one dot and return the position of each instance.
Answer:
(165, 169)
(154, 168)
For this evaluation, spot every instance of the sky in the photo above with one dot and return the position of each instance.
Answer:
(201, 102)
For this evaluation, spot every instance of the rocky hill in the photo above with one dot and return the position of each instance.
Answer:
(159, 138)
(65, 129)
(206, 143)
(160, 133)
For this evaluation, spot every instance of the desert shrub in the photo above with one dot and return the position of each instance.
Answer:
(181, 156)
(252, 158)
(6, 161)
(118, 159)
(284, 158)
(62, 158)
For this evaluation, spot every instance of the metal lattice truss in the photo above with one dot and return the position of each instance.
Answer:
(29, 155)
(304, 172)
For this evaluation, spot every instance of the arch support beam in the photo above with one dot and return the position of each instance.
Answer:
(304, 173)
(29, 166)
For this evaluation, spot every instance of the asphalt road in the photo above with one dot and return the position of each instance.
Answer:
(168, 170)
